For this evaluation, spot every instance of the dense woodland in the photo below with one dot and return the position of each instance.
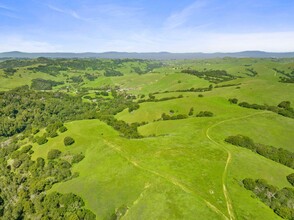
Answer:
(23, 109)
(25, 183)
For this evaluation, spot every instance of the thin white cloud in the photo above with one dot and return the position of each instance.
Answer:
(118, 10)
(179, 18)
(68, 12)
(197, 42)
(6, 8)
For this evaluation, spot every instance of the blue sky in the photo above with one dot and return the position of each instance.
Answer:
(146, 25)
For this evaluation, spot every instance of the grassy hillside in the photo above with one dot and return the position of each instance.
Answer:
(180, 168)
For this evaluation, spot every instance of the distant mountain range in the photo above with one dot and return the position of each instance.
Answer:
(154, 56)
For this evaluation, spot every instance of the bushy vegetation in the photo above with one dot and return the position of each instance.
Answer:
(173, 117)
(41, 140)
(279, 155)
(112, 72)
(284, 108)
(51, 69)
(149, 67)
(9, 71)
(252, 72)
(227, 85)
(281, 201)
(25, 184)
(43, 84)
(153, 99)
(290, 178)
(125, 129)
(53, 154)
(76, 79)
(214, 76)
(204, 114)
(233, 101)
(287, 77)
(68, 141)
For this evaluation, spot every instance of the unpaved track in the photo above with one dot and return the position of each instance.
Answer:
(224, 176)
(169, 179)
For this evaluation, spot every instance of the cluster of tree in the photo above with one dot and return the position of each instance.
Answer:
(191, 112)
(233, 100)
(52, 69)
(113, 106)
(110, 107)
(204, 114)
(103, 93)
(76, 79)
(290, 178)
(68, 141)
(227, 85)
(150, 66)
(284, 108)
(252, 72)
(281, 201)
(112, 72)
(173, 117)
(9, 71)
(40, 139)
(23, 109)
(25, 183)
(126, 130)
(153, 99)
(209, 88)
(134, 107)
(287, 78)
(43, 84)
(279, 155)
(14, 63)
(51, 129)
(214, 76)
(91, 77)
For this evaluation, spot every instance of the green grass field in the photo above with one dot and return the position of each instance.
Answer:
(182, 169)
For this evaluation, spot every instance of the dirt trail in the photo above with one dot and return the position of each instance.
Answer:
(169, 179)
(224, 176)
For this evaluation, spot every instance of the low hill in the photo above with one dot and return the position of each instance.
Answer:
(155, 56)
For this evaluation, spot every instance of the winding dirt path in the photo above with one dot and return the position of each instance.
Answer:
(169, 179)
(224, 176)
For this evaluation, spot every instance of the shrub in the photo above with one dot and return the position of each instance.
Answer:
(242, 141)
(62, 129)
(41, 140)
(204, 114)
(233, 101)
(52, 134)
(249, 183)
(284, 104)
(53, 154)
(191, 111)
(290, 179)
(68, 141)
(16, 163)
(26, 149)
(77, 158)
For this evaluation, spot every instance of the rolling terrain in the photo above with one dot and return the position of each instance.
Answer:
(168, 158)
